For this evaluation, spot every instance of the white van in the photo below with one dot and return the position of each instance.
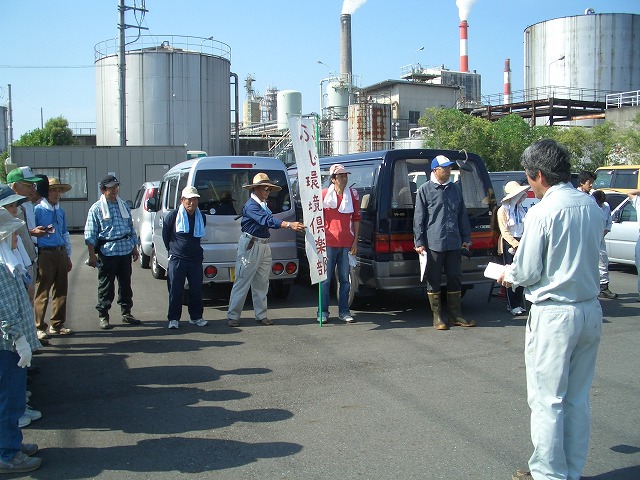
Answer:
(219, 181)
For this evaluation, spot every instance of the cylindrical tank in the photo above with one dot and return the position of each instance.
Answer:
(369, 127)
(337, 99)
(595, 52)
(339, 136)
(289, 103)
(177, 93)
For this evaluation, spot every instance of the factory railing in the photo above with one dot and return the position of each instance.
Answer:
(163, 43)
(624, 99)
(548, 91)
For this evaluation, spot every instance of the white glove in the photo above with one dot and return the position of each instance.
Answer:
(24, 350)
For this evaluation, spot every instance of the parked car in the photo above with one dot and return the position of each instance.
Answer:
(621, 240)
(219, 182)
(386, 182)
(143, 220)
(618, 177)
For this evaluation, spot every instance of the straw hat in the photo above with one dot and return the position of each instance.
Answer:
(262, 180)
(55, 183)
(8, 223)
(513, 189)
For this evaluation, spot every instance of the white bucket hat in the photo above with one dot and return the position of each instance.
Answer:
(8, 223)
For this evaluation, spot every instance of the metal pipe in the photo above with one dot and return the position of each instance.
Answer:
(236, 142)
(122, 84)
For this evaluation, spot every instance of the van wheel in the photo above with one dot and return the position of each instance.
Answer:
(145, 260)
(279, 289)
(156, 270)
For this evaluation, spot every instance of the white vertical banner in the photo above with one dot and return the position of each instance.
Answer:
(303, 137)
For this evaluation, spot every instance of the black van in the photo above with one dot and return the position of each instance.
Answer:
(387, 182)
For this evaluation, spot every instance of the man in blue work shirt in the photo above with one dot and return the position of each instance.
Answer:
(556, 262)
(182, 230)
(441, 230)
(109, 235)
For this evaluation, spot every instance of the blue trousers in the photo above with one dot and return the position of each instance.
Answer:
(337, 257)
(178, 270)
(13, 391)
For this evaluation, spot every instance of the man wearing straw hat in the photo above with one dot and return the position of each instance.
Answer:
(54, 262)
(253, 262)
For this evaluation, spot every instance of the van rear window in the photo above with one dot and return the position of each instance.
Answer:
(221, 191)
(409, 174)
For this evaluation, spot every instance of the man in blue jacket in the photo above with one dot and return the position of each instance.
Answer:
(182, 231)
(441, 231)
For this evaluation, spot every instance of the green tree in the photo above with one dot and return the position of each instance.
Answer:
(55, 132)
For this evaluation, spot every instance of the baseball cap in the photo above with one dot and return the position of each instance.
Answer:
(337, 168)
(190, 192)
(109, 181)
(21, 174)
(440, 161)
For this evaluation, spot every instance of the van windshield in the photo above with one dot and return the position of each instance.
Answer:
(409, 174)
(221, 191)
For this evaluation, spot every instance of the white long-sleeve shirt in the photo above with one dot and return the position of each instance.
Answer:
(558, 254)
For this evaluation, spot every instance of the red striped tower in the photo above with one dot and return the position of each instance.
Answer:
(464, 56)
(507, 81)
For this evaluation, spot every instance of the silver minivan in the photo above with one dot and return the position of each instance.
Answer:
(219, 181)
(143, 219)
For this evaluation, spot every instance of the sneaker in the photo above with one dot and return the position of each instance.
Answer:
(606, 293)
(174, 324)
(523, 474)
(20, 463)
(104, 324)
(43, 335)
(346, 318)
(516, 311)
(199, 322)
(233, 323)
(325, 318)
(32, 413)
(29, 449)
(24, 421)
(60, 331)
(265, 321)
(130, 319)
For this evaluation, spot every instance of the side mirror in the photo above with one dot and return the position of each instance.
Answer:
(130, 203)
(615, 217)
(364, 203)
(151, 204)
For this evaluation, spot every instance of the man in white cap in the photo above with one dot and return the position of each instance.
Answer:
(253, 262)
(441, 230)
(182, 231)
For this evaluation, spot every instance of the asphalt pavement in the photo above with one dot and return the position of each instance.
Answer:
(386, 398)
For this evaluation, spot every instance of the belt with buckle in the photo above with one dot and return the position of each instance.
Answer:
(52, 249)
(255, 239)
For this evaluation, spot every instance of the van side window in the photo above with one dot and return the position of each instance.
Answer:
(182, 182)
(170, 198)
(626, 179)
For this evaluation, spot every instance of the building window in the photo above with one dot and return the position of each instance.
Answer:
(76, 177)
(414, 115)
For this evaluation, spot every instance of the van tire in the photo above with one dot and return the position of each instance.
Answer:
(280, 289)
(145, 261)
(156, 270)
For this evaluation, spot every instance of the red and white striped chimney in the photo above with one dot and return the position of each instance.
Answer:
(507, 81)
(464, 55)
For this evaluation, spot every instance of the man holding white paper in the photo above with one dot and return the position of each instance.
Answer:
(556, 262)
(441, 229)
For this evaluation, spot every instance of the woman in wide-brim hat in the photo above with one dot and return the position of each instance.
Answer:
(262, 180)
(511, 222)
(55, 183)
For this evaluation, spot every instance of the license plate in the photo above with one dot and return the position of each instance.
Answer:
(232, 274)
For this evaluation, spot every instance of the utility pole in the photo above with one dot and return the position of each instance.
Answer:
(10, 119)
(122, 65)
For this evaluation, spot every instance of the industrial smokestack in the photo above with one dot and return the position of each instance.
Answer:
(507, 81)
(464, 55)
(345, 47)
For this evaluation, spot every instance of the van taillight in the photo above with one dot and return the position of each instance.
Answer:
(394, 243)
(241, 165)
(484, 240)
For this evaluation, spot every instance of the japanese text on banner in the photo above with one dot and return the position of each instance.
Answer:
(310, 188)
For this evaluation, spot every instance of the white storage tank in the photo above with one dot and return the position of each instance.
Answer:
(339, 136)
(337, 99)
(177, 93)
(289, 103)
(595, 52)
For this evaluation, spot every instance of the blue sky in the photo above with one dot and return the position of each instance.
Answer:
(48, 46)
